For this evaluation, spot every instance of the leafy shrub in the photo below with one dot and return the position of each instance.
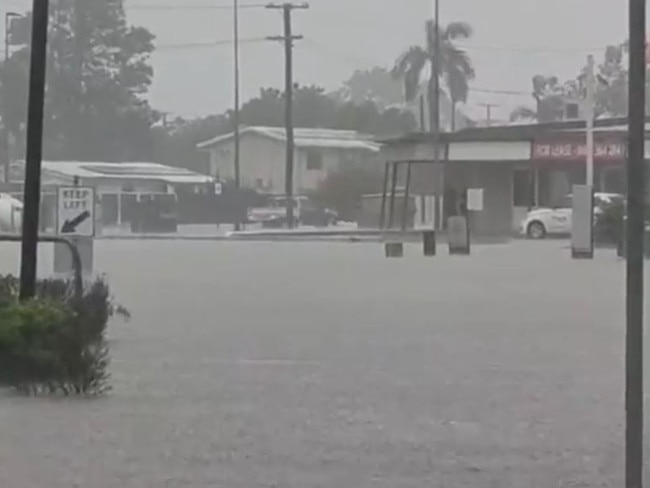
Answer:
(609, 223)
(55, 343)
(343, 190)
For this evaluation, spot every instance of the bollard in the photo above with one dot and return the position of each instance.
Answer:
(458, 235)
(429, 242)
(394, 249)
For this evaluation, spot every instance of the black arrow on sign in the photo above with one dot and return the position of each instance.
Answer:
(69, 226)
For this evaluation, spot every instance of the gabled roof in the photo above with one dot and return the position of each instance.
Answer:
(305, 138)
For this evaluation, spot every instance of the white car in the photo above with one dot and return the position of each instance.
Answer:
(541, 222)
(11, 212)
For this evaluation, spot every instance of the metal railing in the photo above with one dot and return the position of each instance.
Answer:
(74, 252)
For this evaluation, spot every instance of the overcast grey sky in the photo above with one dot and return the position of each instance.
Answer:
(514, 39)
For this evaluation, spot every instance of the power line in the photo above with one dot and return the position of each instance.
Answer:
(225, 42)
(192, 7)
(529, 49)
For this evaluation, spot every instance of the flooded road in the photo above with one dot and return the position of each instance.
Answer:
(310, 365)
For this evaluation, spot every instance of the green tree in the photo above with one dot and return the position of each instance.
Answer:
(98, 76)
(176, 143)
(455, 65)
(549, 95)
(611, 92)
(343, 190)
(375, 85)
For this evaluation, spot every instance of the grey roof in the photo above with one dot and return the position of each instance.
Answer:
(518, 132)
(126, 171)
(305, 138)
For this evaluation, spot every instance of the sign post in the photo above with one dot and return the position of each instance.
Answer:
(76, 212)
(76, 221)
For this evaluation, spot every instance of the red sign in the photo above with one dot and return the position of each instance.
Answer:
(577, 151)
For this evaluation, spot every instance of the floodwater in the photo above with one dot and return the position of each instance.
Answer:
(308, 365)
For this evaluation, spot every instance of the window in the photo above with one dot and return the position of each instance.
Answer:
(314, 161)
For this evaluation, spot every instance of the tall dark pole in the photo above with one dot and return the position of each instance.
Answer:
(288, 38)
(635, 245)
(5, 131)
(32, 191)
(288, 116)
(235, 117)
(435, 125)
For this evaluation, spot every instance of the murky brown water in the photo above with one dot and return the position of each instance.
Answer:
(325, 365)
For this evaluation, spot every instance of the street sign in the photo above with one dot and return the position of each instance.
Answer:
(475, 199)
(76, 212)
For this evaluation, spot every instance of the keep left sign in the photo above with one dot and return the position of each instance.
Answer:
(76, 212)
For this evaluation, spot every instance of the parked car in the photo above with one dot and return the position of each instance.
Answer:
(542, 222)
(305, 213)
(11, 213)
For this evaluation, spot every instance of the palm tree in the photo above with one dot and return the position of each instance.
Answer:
(455, 66)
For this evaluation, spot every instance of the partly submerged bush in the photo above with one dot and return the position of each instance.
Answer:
(55, 343)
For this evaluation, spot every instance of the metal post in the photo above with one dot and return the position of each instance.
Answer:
(382, 212)
(393, 189)
(589, 115)
(407, 194)
(436, 104)
(236, 108)
(5, 129)
(635, 247)
(32, 191)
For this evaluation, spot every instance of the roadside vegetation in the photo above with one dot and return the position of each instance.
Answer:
(55, 344)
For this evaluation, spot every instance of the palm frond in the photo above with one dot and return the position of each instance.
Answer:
(408, 68)
(412, 57)
(458, 85)
(459, 60)
(457, 30)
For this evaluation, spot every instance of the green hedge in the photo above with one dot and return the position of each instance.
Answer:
(55, 343)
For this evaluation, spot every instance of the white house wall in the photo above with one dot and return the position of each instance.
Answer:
(260, 159)
(489, 151)
(265, 159)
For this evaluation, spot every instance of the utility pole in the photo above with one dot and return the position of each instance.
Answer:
(636, 192)
(32, 191)
(488, 112)
(235, 117)
(287, 39)
(589, 115)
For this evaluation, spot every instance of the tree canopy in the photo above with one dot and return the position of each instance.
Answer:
(98, 76)
(176, 144)
(455, 66)
(551, 95)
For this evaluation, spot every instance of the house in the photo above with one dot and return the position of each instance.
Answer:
(263, 156)
(117, 185)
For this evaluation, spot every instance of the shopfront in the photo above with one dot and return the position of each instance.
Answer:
(560, 162)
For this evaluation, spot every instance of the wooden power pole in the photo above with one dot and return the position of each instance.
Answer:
(287, 39)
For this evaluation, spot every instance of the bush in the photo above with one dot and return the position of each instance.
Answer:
(609, 224)
(55, 343)
(343, 190)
